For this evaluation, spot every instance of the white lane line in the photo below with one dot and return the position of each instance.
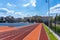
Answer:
(22, 34)
(8, 36)
(12, 35)
(4, 35)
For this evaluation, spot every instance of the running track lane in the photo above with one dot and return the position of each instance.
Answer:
(17, 34)
(37, 34)
(43, 35)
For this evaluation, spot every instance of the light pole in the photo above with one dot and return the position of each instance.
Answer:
(48, 2)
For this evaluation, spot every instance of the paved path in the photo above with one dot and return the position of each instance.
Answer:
(33, 32)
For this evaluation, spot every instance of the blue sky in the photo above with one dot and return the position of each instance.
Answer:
(27, 8)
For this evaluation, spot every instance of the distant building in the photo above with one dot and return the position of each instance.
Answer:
(18, 19)
(2, 19)
(28, 19)
(32, 19)
(45, 19)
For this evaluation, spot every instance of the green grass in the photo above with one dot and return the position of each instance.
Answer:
(50, 35)
(57, 29)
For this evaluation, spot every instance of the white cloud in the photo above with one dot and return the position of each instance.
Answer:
(32, 3)
(19, 13)
(5, 9)
(55, 9)
(9, 4)
(12, 5)
(58, 5)
(26, 5)
(11, 11)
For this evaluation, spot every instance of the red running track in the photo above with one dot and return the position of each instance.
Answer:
(43, 35)
(21, 33)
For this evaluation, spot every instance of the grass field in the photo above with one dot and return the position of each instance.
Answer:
(50, 35)
(57, 29)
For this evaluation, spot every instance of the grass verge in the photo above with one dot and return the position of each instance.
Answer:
(57, 29)
(50, 35)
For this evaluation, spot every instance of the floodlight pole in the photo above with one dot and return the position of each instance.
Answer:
(48, 12)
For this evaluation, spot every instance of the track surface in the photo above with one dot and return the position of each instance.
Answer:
(25, 33)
